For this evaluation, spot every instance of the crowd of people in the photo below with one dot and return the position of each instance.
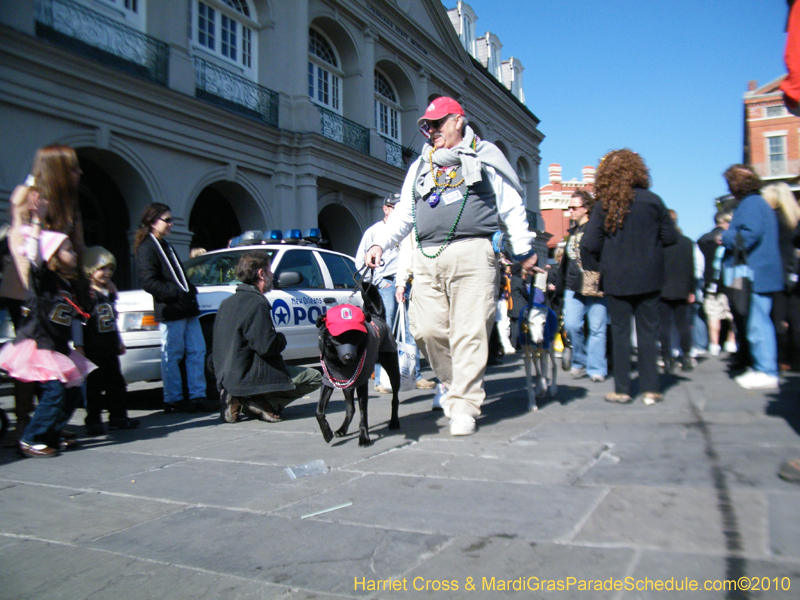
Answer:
(624, 275)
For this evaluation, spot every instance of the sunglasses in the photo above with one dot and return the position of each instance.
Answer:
(575, 207)
(168, 220)
(427, 126)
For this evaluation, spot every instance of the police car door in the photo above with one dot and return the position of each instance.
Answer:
(295, 309)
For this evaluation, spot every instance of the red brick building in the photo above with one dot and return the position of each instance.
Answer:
(554, 201)
(771, 134)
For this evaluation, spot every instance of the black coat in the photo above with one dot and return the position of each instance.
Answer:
(247, 348)
(708, 245)
(519, 293)
(632, 257)
(678, 270)
(170, 302)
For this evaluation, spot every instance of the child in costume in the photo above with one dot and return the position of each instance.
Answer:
(101, 344)
(41, 353)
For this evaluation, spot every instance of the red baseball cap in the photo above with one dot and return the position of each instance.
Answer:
(345, 317)
(441, 107)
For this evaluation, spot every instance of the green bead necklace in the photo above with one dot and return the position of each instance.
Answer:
(449, 237)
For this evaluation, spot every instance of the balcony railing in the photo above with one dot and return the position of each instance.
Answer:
(336, 127)
(100, 38)
(778, 168)
(235, 93)
(398, 155)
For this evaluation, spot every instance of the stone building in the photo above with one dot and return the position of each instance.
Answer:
(241, 114)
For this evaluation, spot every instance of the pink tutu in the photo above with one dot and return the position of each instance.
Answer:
(26, 362)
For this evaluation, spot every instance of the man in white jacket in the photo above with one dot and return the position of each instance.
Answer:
(455, 197)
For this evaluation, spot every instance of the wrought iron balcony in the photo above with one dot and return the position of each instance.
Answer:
(778, 169)
(398, 155)
(100, 38)
(336, 127)
(235, 93)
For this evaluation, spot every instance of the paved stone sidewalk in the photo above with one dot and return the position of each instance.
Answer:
(189, 507)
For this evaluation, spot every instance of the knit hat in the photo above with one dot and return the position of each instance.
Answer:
(50, 242)
(345, 317)
(97, 257)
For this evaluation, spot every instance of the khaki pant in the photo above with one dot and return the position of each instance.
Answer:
(452, 312)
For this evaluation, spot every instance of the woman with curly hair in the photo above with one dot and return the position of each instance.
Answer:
(755, 228)
(627, 232)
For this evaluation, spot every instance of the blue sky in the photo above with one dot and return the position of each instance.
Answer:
(664, 78)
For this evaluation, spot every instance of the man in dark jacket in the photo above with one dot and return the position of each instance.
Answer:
(715, 302)
(676, 297)
(247, 349)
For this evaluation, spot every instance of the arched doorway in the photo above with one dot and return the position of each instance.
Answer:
(213, 220)
(340, 229)
(105, 217)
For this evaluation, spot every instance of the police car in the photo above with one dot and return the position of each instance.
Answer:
(308, 281)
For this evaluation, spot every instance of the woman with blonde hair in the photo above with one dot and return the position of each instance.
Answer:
(53, 180)
(786, 302)
(627, 232)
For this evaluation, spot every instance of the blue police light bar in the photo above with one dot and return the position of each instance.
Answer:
(312, 235)
(274, 235)
(292, 236)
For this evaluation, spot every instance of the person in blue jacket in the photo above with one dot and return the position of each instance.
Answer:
(754, 222)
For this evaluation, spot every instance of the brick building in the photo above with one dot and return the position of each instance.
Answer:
(771, 135)
(554, 201)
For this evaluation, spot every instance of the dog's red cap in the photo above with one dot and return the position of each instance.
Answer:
(345, 317)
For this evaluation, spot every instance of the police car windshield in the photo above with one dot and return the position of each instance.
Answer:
(217, 269)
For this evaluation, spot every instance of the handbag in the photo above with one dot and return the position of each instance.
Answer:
(406, 354)
(739, 278)
(590, 282)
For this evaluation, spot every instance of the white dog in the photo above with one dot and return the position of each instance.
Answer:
(539, 326)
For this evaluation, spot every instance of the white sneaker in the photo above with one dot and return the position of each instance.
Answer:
(462, 425)
(577, 372)
(757, 380)
(714, 349)
(441, 392)
(730, 347)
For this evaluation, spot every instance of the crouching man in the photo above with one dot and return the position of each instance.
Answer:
(247, 350)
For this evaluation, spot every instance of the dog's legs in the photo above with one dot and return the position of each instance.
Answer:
(349, 412)
(324, 397)
(541, 375)
(390, 362)
(553, 383)
(363, 425)
(528, 377)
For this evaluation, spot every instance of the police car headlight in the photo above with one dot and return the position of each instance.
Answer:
(141, 321)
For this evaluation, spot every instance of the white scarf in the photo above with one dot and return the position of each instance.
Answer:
(182, 283)
(471, 161)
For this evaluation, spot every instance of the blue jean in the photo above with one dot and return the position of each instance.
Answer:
(761, 335)
(699, 328)
(56, 405)
(390, 304)
(591, 354)
(410, 338)
(180, 338)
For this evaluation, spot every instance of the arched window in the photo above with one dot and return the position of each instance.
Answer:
(224, 28)
(324, 75)
(387, 117)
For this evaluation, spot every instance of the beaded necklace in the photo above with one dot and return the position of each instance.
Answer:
(435, 176)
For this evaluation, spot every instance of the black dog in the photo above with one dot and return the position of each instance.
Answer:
(351, 341)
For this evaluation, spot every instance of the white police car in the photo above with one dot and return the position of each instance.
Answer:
(308, 281)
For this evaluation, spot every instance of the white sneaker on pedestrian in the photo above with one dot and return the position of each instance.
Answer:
(441, 392)
(598, 378)
(714, 349)
(730, 347)
(462, 425)
(577, 372)
(757, 380)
